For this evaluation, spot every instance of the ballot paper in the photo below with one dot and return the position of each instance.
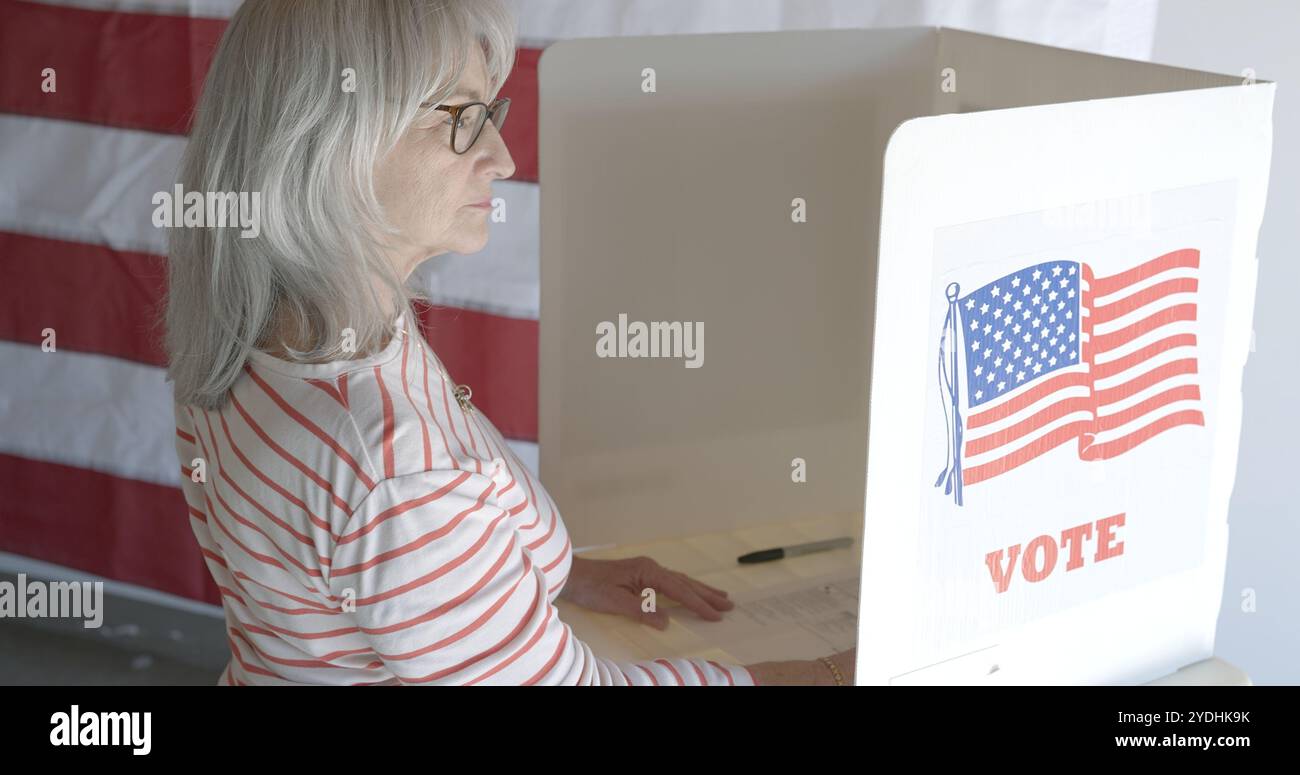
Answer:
(806, 619)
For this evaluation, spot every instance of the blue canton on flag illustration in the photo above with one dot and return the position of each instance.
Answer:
(1051, 354)
(1021, 328)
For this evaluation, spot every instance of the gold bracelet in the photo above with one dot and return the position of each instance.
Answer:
(835, 671)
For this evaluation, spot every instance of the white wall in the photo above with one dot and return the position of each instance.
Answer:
(1227, 36)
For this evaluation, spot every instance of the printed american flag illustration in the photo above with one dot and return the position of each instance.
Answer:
(1054, 354)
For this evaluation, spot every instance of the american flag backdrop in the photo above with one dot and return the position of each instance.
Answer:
(1054, 354)
(87, 458)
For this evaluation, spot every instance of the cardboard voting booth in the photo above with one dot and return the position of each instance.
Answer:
(979, 304)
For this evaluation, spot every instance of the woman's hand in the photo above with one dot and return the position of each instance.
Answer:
(616, 587)
(805, 672)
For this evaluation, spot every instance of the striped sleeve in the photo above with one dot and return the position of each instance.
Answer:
(446, 592)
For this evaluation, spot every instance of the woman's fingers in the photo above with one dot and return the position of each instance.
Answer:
(714, 595)
(682, 589)
(712, 589)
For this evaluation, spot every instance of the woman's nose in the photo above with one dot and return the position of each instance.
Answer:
(495, 148)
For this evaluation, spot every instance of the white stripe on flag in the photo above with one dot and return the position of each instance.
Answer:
(93, 184)
(85, 183)
(90, 411)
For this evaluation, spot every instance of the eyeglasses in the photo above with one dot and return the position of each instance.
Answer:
(469, 118)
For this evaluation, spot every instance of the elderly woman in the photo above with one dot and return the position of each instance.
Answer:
(364, 522)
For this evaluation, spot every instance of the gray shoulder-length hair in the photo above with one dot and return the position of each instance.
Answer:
(277, 117)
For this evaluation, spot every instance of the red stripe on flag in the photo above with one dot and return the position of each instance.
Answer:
(1184, 258)
(1109, 422)
(1111, 368)
(1029, 397)
(1148, 379)
(520, 134)
(473, 346)
(97, 300)
(1038, 446)
(1046, 416)
(1124, 443)
(132, 70)
(122, 529)
(102, 301)
(145, 71)
(1106, 342)
(1117, 309)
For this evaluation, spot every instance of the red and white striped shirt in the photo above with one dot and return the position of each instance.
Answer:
(363, 528)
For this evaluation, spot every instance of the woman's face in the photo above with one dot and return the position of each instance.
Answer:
(429, 191)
